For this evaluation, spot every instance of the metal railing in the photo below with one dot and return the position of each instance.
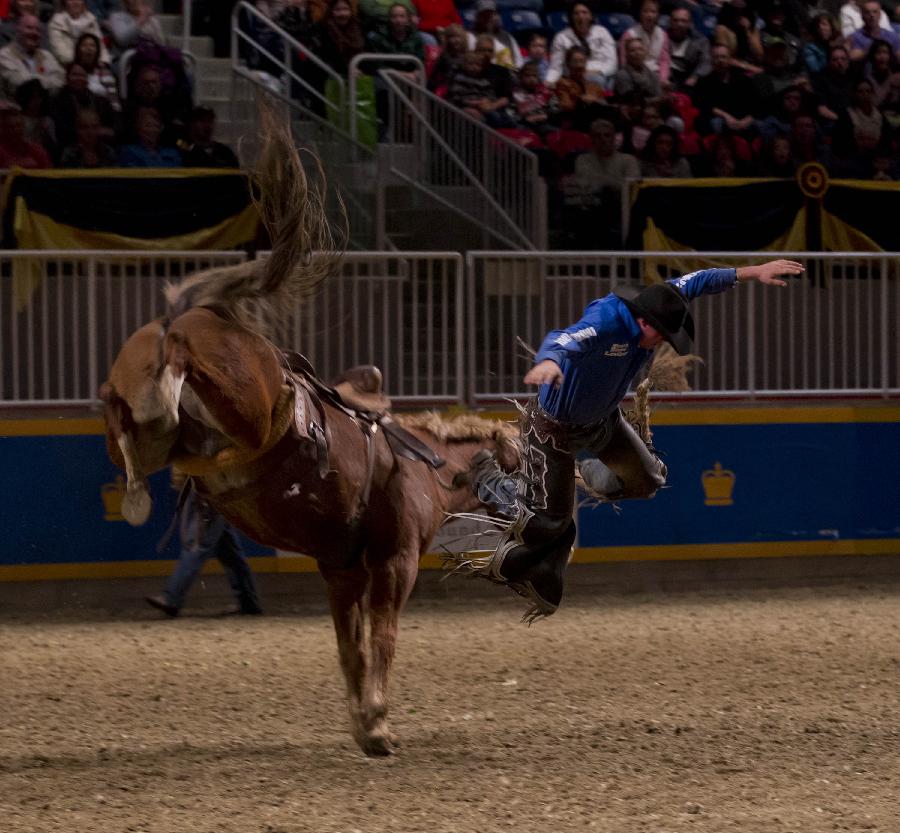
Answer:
(465, 165)
(287, 46)
(402, 311)
(354, 73)
(828, 333)
(442, 335)
(64, 315)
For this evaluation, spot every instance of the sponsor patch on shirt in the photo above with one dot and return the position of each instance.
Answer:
(617, 351)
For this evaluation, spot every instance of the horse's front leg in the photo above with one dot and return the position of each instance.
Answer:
(392, 580)
(347, 597)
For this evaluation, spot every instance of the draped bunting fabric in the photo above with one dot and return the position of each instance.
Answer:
(147, 209)
(763, 215)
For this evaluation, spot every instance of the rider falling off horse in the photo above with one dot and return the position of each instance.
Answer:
(584, 372)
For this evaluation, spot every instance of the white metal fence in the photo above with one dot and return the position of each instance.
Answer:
(402, 311)
(442, 335)
(831, 331)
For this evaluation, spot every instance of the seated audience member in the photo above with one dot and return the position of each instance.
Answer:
(398, 37)
(472, 92)
(634, 75)
(455, 47)
(792, 101)
(722, 159)
(834, 86)
(34, 102)
(655, 40)
(374, 13)
(487, 22)
(725, 97)
(200, 150)
(737, 29)
(688, 51)
(135, 22)
(436, 15)
(883, 70)
(595, 189)
(662, 158)
(101, 80)
(596, 42)
(89, 150)
(776, 158)
(23, 59)
(859, 123)
(823, 34)
(807, 144)
(852, 18)
(75, 97)
(318, 9)
(147, 91)
(68, 26)
(531, 99)
(776, 77)
(500, 77)
(579, 101)
(774, 31)
(15, 149)
(537, 54)
(339, 36)
(859, 43)
(147, 151)
(9, 24)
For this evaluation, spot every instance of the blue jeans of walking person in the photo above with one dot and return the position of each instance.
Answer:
(205, 533)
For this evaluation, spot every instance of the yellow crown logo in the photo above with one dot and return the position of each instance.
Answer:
(718, 484)
(113, 494)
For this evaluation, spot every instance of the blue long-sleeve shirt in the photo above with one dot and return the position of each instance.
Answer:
(599, 356)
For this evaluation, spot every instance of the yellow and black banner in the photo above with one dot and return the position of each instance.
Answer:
(126, 208)
(809, 213)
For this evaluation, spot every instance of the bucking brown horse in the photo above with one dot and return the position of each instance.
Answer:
(283, 457)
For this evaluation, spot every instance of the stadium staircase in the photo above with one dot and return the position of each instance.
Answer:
(435, 181)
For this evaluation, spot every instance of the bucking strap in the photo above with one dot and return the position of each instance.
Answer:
(405, 444)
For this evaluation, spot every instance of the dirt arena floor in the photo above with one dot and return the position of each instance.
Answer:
(740, 710)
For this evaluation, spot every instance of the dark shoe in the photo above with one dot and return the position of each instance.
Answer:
(160, 603)
(538, 575)
(250, 610)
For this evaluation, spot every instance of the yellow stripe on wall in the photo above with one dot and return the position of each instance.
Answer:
(588, 555)
(662, 415)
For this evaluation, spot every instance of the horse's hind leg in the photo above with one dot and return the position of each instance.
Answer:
(347, 597)
(392, 580)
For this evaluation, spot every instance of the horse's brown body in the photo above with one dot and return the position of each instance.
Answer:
(206, 392)
(229, 380)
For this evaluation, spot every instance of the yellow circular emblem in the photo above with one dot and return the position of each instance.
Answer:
(813, 180)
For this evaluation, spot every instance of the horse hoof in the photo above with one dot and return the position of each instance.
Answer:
(379, 746)
(136, 505)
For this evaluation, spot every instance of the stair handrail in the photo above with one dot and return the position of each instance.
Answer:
(346, 193)
(237, 34)
(353, 74)
(393, 79)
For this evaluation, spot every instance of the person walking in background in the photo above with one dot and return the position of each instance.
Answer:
(204, 534)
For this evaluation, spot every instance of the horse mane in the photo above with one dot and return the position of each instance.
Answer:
(465, 428)
(261, 294)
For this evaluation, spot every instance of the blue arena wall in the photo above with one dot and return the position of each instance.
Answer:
(743, 482)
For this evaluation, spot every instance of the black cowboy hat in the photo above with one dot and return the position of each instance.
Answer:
(664, 308)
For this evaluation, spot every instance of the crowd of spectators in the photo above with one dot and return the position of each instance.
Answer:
(685, 88)
(60, 101)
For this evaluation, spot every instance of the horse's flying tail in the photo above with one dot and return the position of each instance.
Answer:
(292, 208)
